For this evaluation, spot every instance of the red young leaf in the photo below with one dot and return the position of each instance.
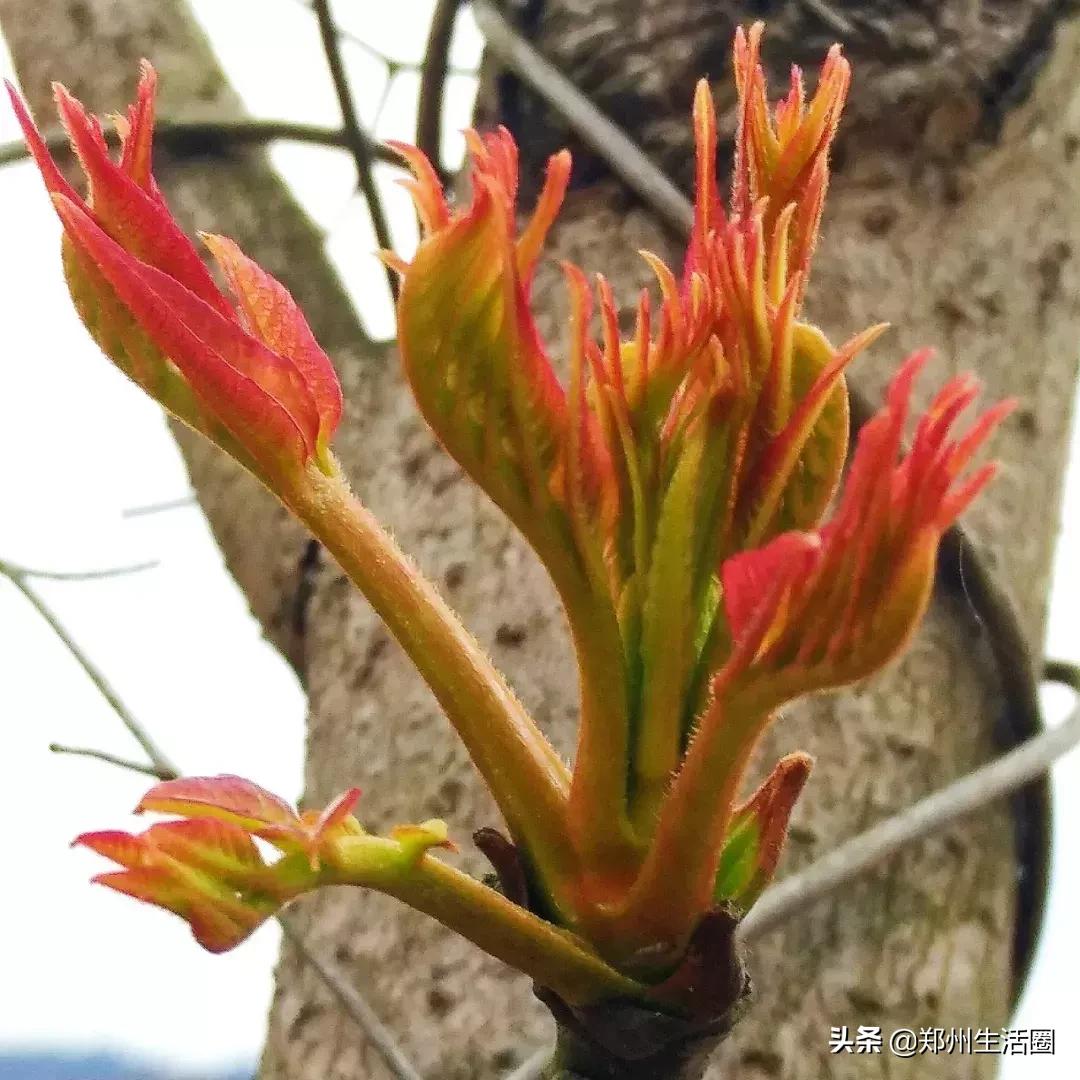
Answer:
(135, 219)
(217, 922)
(276, 320)
(254, 382)
(757, 832)
(122, 847)
(137, 133)
(336, 811)
(257, 395)
(219, 847)
(838, 616)
(230, 798)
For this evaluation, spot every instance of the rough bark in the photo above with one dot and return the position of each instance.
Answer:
(956, 214)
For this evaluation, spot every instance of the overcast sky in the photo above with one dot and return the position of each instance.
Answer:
(78, 446)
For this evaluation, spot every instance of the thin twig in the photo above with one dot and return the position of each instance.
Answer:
(854, 857)
(160, 762)
(429, 109)
(342, 34)
(393, 65)
(832, 19)
(622, 155)
(111, 759)
(358, 142)
(146, 509)
(353, 1003)
(9, 569)
(209, 135)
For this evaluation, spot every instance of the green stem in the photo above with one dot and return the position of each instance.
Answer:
(525, 775)
(551, 956)
(597, 813)
(676, 880)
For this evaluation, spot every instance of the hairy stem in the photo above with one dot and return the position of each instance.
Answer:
(525, 775)
(553, 957)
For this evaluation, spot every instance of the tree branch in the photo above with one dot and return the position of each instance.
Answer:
(209, 135)
(111, 759)
(181, 502)
(622, 155)
(9, 569)
(357, 140)
(161, 764)
(393, 66)
(1063, 672)
(433, 81)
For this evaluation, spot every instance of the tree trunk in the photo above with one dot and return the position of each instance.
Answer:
(955, 213)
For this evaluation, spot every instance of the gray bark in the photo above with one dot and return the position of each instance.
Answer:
(955, 214)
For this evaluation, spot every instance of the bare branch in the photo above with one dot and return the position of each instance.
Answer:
(433, 81)
(146, 509)
(831, 18)
(358, 141)
(111, 759)
(936, 812)
(623, 156)
(393, 65)
(209, 135)
(160, 762)
(9, 569)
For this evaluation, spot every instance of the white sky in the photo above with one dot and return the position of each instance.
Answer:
(84, 966)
